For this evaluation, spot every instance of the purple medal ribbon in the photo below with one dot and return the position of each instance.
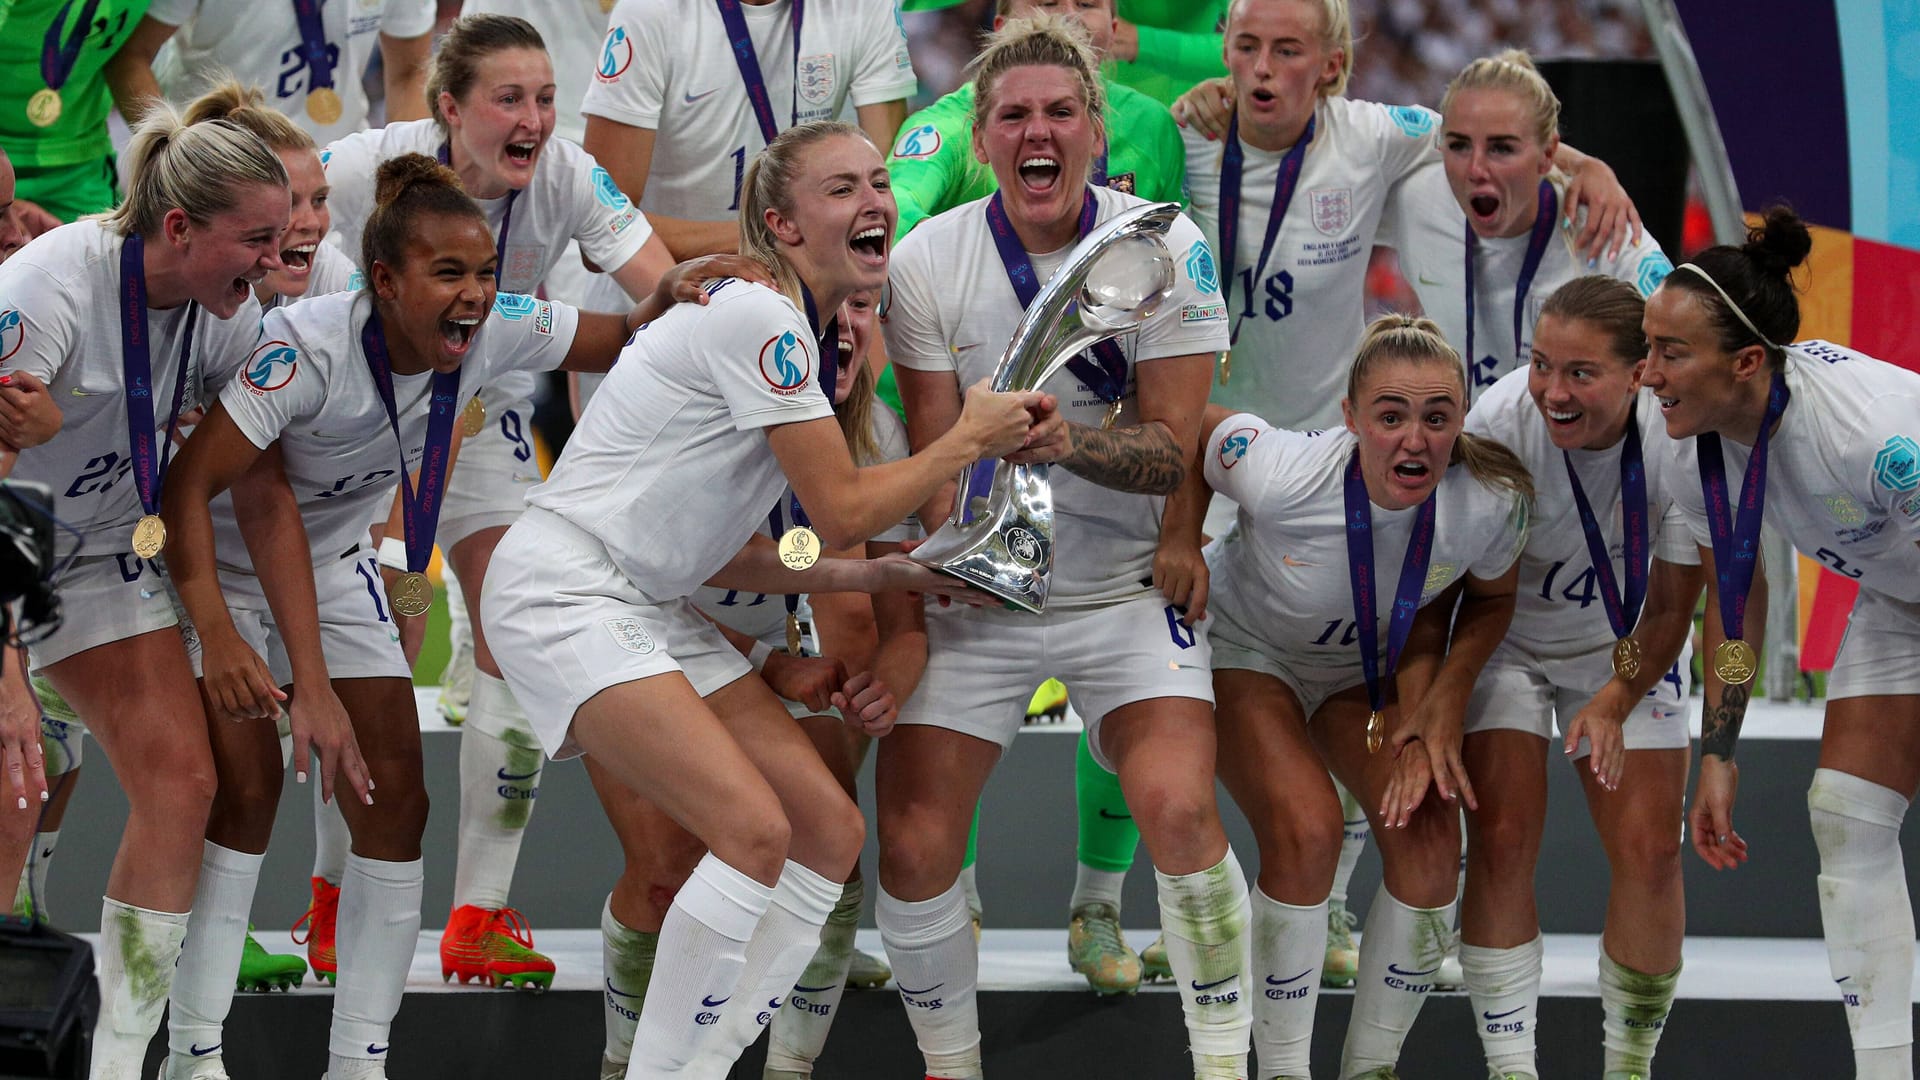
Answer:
(59, 50)
(1544, 213)
(825, 337)
(1736, 539)
(1406, 598)
(1232, 160)
(749, 64)
(1622, 615)
(419, 513)
(313, 44)
(1106, 373)
(136, 365)
(445, 154)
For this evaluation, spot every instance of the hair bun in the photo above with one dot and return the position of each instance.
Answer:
(396, 175)
(1780, 242)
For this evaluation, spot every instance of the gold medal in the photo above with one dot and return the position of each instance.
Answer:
(149, 536)
(43, 108)
(323, 105)
(793, 634)
(1113, 414)
(1376, 732)
(412, 594)
(1226, 366)
(473, 418)
(799, 548)
(1734, 662)
(1626, 658)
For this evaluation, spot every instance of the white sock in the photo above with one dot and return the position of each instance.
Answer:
(970, 884)
(138, 949)
(331, 840)
(696, 967)
(1205, 917)
(1399, 957)
(799, 1031)
(1504, 986)
(33, 876)
(936, 967)
(1092, 886)
(787, 937)
(210, 958)
(1289, 950)
(378, 929)
(1867, 915)
(626, 957)
(1633, 1007)
(1353, 842)
(500, 762)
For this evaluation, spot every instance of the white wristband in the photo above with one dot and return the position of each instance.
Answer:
(393, 553)
(757, 656)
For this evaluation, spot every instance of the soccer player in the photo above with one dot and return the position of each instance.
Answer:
(1599, 646)
(160, 293)
(1822, 441)
(637, 679)
(56, 61)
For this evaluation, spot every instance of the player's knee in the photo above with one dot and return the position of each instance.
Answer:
(1506, 847)
(1173, 818)
(755, 841)
(176, 789)
(843, 832)
(919, 853)
(1307, 846)
(1649, 856)
(245, 806)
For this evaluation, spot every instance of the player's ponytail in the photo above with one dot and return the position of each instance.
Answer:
(246, 107)
(1405, 338)
(1748, 290)
(199, 169)
(768, 185)
(407, 189)
(1610, 306)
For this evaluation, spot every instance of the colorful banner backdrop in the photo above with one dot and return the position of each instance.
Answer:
(1831, 124)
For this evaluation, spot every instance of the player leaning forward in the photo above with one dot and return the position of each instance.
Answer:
(1825, 442)
(587, 597)
(1138, 673)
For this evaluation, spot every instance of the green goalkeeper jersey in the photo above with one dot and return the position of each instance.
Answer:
(46, 131)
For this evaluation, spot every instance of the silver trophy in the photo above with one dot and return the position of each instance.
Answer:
(1000, 539)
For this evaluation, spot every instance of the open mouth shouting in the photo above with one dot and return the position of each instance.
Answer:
(298, 259)
(522, 152)
(1484, 208)
(1040, 174)
(870, 245)
(456, 335)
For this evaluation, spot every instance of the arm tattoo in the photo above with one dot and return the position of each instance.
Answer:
(1720, 727)
(1145, 459)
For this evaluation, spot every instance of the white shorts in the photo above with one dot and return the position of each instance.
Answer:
(1518, 692)
(1880, 653)
(564, 624)
(1312, 682)
(357, 634)
(983, 663)
(495, 469)
(105, 598)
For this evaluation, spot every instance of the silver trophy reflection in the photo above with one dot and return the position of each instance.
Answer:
(1001, 540)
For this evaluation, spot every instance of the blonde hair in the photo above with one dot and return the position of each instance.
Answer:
(1042, 40)
(1336, 22)
(1404, 337)
(1513, 72)
(856, 415)
(471, 39)
(246, 107)
(768, 184)
(196, 168)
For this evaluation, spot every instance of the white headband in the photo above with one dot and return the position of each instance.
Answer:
(1738, 314)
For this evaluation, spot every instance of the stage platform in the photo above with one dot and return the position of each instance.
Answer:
(1746, 1008)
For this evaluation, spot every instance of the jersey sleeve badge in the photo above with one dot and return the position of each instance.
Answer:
(1200, 268)
(918, 142)
(272, 366)
(13, 333)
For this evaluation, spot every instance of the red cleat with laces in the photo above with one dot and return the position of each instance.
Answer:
(494, 945)
(323, 911)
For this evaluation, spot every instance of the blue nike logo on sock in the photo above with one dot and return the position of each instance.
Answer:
(917, 993)
(1397, 970)
(616, 990)
(194, 1048)
(1271, 981)
(1509, 1012)
(1217, 982)
(505, 775)
(375, 1049)
(712, 1004)
(814, 989)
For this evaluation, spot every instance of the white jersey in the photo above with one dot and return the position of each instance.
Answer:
(953, 309)
(308, 386)
(1283, 573)
(1843, 468)
(333, 271)
(670, 467)
(572, 30)
(1297, 327)
(764, 616)
(60, 322)
(258, 42)
(667, 66)
(1559, 613)
(1428, 228)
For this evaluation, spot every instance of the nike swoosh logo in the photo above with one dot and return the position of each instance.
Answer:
(1271, 981)
(195, 1049)
(691, 98)
(1291, 561)
(1397, 970)
(375, 1050)
(1425, 280)
(1216, 982)
(1499, 1016)
(956, 348)
(612, 989)
(814, 989)
(1111, 816)
(77, 392)
(505, 775)
(917, 993)
(712, 1004)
